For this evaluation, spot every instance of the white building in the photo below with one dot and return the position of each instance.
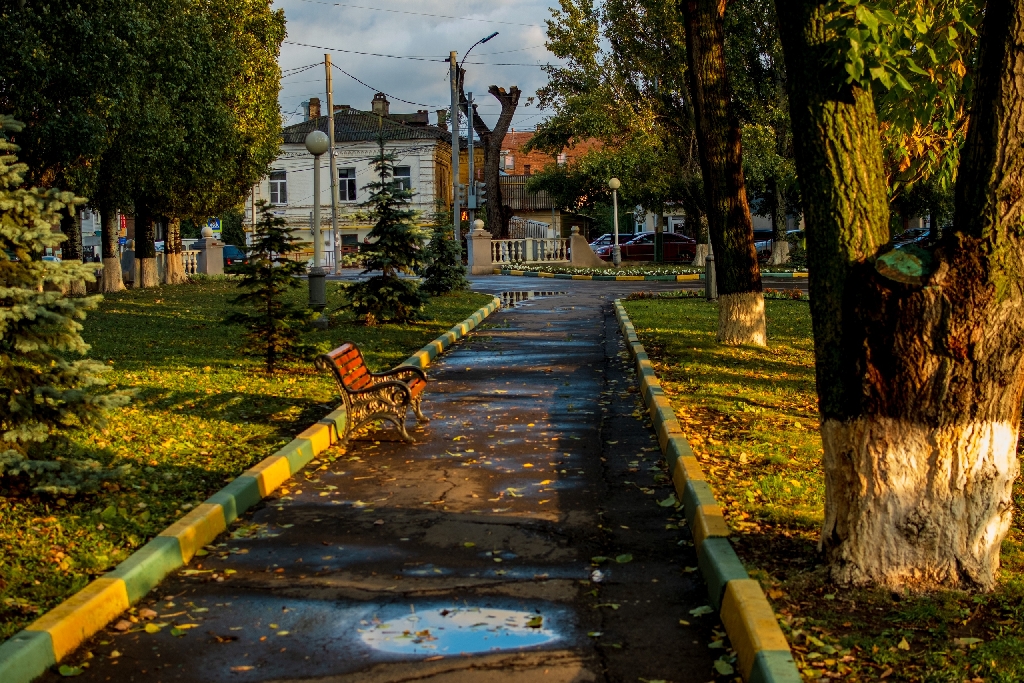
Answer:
(423, 165)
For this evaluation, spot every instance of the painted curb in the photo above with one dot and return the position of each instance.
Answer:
(684, 277)
(59, 632)
(762, 653)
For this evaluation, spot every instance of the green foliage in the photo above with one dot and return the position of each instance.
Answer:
(917, 59)
(395, 248)
(445, 272)
(231, 228)
(202, 413)
(43, 395)
(275, 325)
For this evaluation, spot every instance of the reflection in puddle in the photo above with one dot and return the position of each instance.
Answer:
(458, 630)
(510, 299)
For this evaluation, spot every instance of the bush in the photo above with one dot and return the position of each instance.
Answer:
(445, 272)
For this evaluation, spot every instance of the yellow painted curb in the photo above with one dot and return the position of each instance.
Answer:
(83, 614)
(320, 436)
(270, 473)
(629, 278)
(689, 276)
(750, 623)
(582, 277)
(708, 522)
(688, 469)
(543, 274)
(197, 528)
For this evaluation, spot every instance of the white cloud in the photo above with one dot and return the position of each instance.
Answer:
(520, 41)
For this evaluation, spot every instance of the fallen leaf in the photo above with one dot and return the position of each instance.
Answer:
(668, 502)
(153, 628)
(723, 667)
(535, 622)
(469, 544)
(238, 669)
(434, 658)
(904, 645)
(66, 670)
(623, 559)
(146, 613)
(965, 642)
(701, 611)
(122, 625)
(613, 605)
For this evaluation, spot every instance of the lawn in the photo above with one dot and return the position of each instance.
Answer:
(203, 412)
(751, 417)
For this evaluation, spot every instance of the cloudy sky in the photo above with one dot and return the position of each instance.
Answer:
(425, 29)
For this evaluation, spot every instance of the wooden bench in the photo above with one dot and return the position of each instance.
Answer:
(370, 396)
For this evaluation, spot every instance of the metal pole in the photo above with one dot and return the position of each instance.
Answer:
(334, 167)
(318, 242)
(471, 182)
(452, 57)
(616, 252)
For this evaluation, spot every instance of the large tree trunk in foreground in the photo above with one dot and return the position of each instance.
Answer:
(145, 247)
(71, 248)
(918, 355)
(741, 305)
(174, 269)
(111, 279)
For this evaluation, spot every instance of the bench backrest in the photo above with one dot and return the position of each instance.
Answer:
(350, 367)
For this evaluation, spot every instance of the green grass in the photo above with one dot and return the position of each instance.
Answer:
(203, 413)
(751, 418)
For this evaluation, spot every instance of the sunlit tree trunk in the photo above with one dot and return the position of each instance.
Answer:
(112, 280)
(919, 361)
(740, 303)
(780, 247)
(145, 247)
(174, 269)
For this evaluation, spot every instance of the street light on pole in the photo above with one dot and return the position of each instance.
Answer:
(317, 143)
(614, 184)
(456, 69)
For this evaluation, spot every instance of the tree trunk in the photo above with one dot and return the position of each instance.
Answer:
(71, 248)
(498, 214)
(174, 270)
(145, 247)
(741, 307)
(780, 247)
(919, 358)
(111, 278)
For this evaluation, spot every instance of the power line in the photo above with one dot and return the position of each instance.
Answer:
(420, 14)
(417, 59)
(418, 104)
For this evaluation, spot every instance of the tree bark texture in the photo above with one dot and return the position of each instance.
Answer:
(721, 162)
(111, 280)
(174, 269)
(71, 247)
(919, 354)
(145, 247)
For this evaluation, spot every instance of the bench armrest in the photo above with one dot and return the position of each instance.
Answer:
(376, 388)
(403, 370)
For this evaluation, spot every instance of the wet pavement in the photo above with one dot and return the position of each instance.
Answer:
(519, 539)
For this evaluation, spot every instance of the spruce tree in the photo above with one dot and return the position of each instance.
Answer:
(396, 248)
(274, 324)
(444, 272)
(43, 394)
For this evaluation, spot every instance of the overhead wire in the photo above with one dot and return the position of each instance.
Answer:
(416, 59)
(420, 14)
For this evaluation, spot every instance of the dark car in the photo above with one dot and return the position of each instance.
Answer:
(676, 248)
(919, 237)
(234, 256)
(606, 239)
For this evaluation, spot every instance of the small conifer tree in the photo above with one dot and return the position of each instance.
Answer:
(396, 248)
(43, 394)
(444, 272)
(274, 324)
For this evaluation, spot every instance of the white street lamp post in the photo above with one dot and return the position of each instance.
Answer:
(317, 143)
(614, 184)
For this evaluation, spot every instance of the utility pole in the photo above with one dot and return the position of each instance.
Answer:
(334, 167)
(456, 214)
(471, 176)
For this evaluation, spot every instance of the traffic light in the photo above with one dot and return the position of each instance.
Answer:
(461, 198)
(481, 192)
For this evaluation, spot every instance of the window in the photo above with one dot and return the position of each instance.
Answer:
(347, 184)
(278, 187)
(526, 169)
(403, 176)
(562, 158)
(508, 160)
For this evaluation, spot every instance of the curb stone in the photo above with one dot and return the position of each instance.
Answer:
(762, 653)
(683, 277)
(59, 632)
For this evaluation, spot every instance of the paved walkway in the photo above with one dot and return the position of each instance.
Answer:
(464, 557)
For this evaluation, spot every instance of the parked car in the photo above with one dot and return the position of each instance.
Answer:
(919, 237)
(234, 256)
(676, 248)
(606, 239)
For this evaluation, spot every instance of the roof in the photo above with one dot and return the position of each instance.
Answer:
(515, 195)
(352, 125)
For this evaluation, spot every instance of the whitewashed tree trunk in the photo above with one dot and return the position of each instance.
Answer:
(913, 506)
(148, 275)
(780, 253)
(110, 280)
(701, 256)
(741, 319)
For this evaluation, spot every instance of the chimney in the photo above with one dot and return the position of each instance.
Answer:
(341, 107)
(442, 119)
(305, 110)
(380, 104)
(314, 107)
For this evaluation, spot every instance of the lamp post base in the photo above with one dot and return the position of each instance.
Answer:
(318, 295)
(616, 256)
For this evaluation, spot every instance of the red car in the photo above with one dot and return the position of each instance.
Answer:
(676, 248)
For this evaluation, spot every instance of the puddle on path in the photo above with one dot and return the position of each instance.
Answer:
(510, 299)
(460, 630)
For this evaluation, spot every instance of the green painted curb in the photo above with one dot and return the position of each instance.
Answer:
(719, 564)
(774, 666)
(26, 655)
(235, 498)
(677, 447)
(695, 495)
(147, 566)
(563, 276)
